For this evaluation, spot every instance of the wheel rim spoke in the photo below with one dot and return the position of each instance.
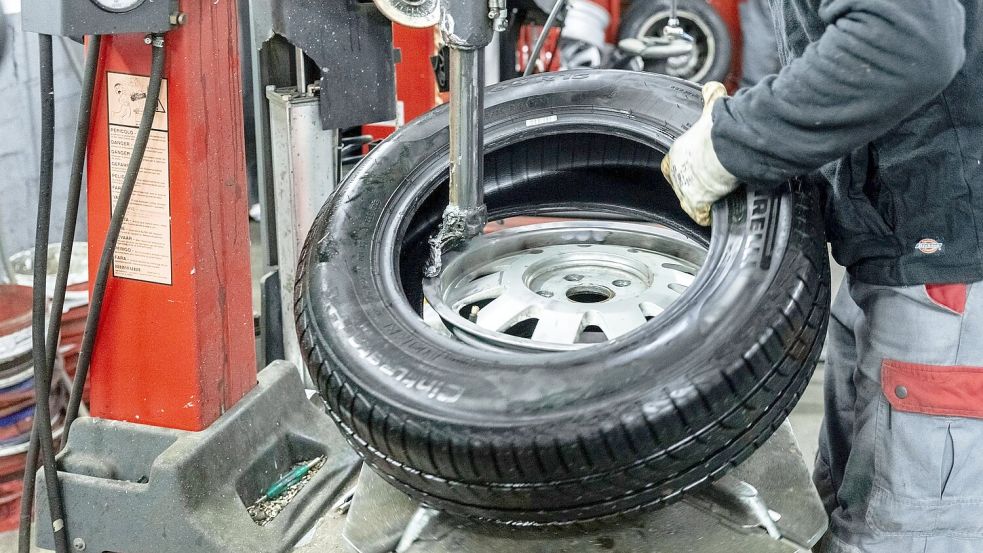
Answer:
(621, 323)
(561, 286)
(502, 313)
(560, 328)
(482, 288)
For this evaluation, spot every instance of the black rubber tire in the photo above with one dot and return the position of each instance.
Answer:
(556, 438)
(636, 22)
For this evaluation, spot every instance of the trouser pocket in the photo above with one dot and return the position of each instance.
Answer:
(928, 478)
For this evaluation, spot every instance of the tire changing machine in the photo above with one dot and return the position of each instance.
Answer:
(184, 436)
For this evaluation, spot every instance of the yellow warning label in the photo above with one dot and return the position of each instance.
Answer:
(144, 248)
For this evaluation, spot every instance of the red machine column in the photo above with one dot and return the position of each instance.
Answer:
(176, 345)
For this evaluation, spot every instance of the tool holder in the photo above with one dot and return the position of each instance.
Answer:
(142, 489)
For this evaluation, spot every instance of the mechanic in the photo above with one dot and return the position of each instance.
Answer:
(881, 101)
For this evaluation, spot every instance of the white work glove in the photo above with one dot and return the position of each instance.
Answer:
(692, 167)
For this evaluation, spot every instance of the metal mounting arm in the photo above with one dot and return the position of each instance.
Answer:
(467, 28)
(467, 83)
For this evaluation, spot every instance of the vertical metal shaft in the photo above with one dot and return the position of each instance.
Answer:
(300, 70)
(467, 28)
(674, 29)
(467, 82)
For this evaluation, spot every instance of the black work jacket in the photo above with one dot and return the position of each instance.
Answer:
(885, 99)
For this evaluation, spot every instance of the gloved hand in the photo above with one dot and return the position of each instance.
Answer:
(692, 167)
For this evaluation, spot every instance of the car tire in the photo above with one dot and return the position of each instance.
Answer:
(700, 19)
(556, 438)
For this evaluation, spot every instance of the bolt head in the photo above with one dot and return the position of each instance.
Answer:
(78, 544)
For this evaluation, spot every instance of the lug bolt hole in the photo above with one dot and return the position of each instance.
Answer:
(573, 278)
(621, 283)
(589, 294)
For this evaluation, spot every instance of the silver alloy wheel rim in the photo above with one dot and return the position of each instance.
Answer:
(685, 67)
(560, 286)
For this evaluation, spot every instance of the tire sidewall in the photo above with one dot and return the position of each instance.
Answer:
(380, 346)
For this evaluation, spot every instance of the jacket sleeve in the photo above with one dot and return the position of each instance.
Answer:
(875, 64)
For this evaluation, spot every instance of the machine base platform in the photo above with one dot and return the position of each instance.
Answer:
(766, 505)
(175, 491)
(143, 489)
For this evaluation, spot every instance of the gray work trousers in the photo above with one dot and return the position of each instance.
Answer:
(900, 462)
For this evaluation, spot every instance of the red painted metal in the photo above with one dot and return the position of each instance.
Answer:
(613, 8)
(549, 57)
(180, 355)
(416, 85)
(729, 10)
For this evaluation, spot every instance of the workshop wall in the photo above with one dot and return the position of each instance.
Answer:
(20, 133)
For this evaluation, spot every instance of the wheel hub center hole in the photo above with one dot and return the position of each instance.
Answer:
(589, 294)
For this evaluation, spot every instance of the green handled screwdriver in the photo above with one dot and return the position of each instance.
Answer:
(291, 478)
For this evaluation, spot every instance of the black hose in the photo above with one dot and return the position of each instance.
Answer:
(64, 265)
(112, 235)
(42, 377)
(27, 496)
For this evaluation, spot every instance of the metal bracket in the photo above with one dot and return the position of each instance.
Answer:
(739, 502)
(414, 529)
(457, 227)
(673, 29)
(333, 33)
(499, 14)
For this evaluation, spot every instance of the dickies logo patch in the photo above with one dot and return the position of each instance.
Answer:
(929, 246)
